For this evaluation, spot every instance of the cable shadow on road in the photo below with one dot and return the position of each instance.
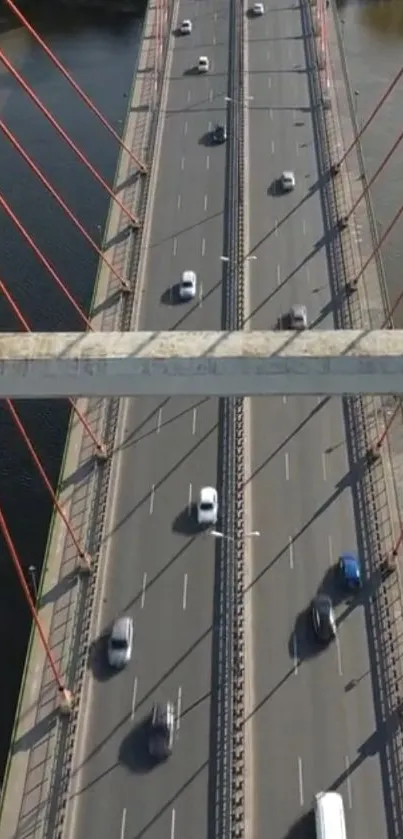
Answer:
(59, 589)
(146, 497)
(131, 439)
(36, 733)
(151, 582)
(315, 410)
(184, 230)
(303, 827)
(269, 695)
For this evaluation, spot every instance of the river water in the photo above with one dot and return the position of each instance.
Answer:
(100, 50)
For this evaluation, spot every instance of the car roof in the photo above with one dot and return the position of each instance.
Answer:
(203, 58)
(351, 564)
(188, 276)
(288, 175)
(207, 493)
(186, 21)
(121, 627)
(298, 310)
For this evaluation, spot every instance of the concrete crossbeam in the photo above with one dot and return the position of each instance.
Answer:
(200, 363)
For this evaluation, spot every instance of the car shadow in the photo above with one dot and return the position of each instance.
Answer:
(98, 659)
(205, 139)
(274, 188)
(251, 15)
(186, 522)
(303, 827)
(191, 71)
(302, 643)
(170, 296)
(133, 751)
(283, 322)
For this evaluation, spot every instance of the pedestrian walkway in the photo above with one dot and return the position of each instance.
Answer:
(37, 774)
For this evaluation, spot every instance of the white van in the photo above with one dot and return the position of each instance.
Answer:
(329, 816)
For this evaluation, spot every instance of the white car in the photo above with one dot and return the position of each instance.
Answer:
(287, 181)
(120, 643)
(188, 285)
(186, 27)
(298, 317)
(258, 9)
(207, 506)
(203, 64)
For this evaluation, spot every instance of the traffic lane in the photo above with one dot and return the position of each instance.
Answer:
(114, 704)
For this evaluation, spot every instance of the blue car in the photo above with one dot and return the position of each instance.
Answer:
(350, 571)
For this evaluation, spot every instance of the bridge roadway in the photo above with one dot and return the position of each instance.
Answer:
(159, 571)
(307, 726)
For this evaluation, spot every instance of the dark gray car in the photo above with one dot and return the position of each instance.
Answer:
(161, 730)
(323, 619)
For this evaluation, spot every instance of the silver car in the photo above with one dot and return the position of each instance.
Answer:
(120, 643)
(298, 317)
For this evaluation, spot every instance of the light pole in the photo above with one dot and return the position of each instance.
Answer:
(32, 575)
(237, 101)
(218, 534)
(356, 98)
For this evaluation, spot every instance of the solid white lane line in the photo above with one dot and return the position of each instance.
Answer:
(300, 782)
(338, 648)
(276, 227)
(295, 653)
(182, 163)
(205, 203)
(297, 148)
(194, 415)
(188, 95)
(173, 816)
(304, 226)
(185, 591)
(200, 295)
(210, 95)
(179, 202)
(203, 247)
(291, 551)
(143, 590)
(324, 466)
(159, 419)
(215, 16)
(134, 697)
(214, 40)
(330, 546)
(284, 399)
(190, 500)
(268, 54)
(175, 246)
(287, 466)
(123, 824)
(210, 125)
(151, 510)
(185, 127)
(272, 146)
(271, 113)
(278, 275)
(269, 79)
(308, 275)
(179, 709)
(208, 162)
(349, 789)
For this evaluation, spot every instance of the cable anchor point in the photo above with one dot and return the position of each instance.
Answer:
(66, 701)
(335, 169)
(342, 222)
(101, 452)
(373, 454)
(84, 563)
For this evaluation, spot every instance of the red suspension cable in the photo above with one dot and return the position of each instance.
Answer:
(16, 75)
(100, 447)
(74, 84)
(14, 556)
(38, 464)
(5, 206)
(32, 165)
(372, 115)
(375, 175)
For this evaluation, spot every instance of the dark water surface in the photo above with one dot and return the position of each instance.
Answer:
(100, 52)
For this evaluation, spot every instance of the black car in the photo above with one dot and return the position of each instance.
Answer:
(161, 731)
(219, 134)
(323, 619)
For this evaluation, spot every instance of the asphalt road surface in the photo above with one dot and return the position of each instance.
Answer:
(160, 571)
(313, 727)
